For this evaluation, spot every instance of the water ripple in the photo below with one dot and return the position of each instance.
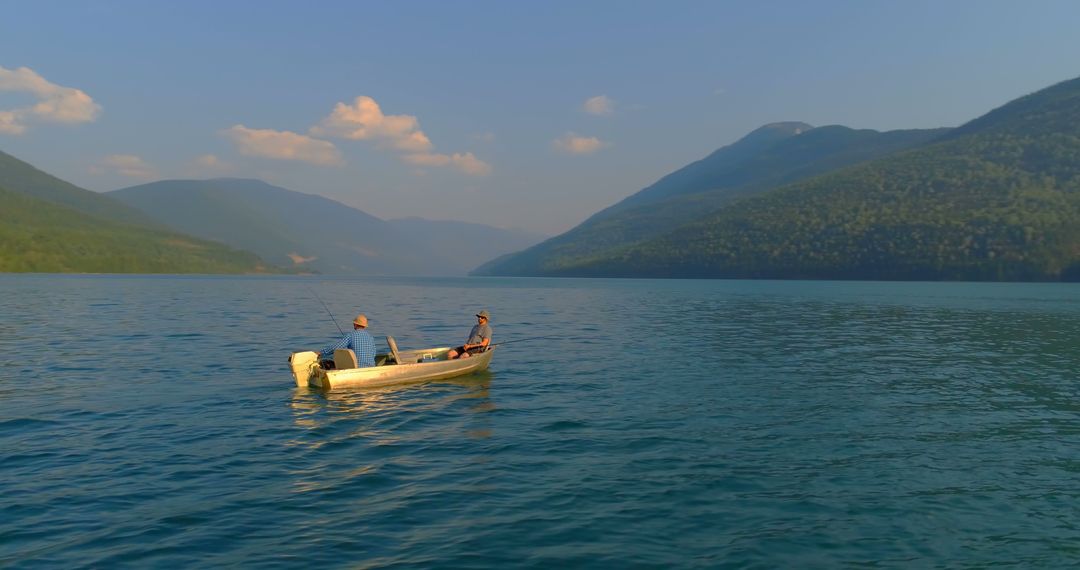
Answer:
(687, 424)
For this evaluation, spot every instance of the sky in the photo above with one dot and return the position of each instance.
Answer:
(530, 115)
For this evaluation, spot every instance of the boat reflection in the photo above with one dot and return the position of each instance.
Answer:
(314, 408)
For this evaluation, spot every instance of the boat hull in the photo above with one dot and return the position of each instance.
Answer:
(307, 372)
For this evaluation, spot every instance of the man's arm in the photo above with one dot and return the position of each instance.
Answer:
(342, 342)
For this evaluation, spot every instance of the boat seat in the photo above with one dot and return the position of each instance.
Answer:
(345, 358)
(393, 349)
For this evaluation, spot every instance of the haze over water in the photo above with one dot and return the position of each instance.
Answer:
(152, 421)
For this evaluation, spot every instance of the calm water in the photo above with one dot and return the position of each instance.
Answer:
(152, 422)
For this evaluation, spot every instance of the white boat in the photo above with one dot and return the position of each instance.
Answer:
(394, 367)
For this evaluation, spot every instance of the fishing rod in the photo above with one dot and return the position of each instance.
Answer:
(327, 310)
(522, 339)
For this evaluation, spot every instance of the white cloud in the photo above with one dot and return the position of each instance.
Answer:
(282, 145)
(486, 137)
(9, 123)
(364, 120)
(208, 165)
(412, 142)
(125, 164)
(465, 162)
(574, 144)
(469, 164)
(427, 159)
(209, 161)
(55, 103)
(599, 105)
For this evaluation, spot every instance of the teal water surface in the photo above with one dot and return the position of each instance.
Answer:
(152, 422)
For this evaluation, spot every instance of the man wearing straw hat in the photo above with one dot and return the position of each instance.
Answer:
(359, 340)
(479, 338)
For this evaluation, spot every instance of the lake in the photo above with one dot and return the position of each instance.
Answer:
(151, 421)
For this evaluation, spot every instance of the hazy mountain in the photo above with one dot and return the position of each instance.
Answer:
(43, 237)
(997, 198)
(469, 244)
(714, 171)
(766, 158)
(21, 177)
(309, 232)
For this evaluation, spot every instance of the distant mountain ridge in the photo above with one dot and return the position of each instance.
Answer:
(995, 199)
(22, 177)
(767, 157)
(470, 243)
(48, 225)
(308, 232)
(710, 172)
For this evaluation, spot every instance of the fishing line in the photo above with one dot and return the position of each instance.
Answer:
(327, 310)
(522, 339)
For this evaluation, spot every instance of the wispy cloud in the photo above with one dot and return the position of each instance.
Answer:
(10, 123)
(364, 120)
(599, 105)
(55, 103)
(465, 162)
(209, 165)
(283, 145)
(427, 159)
(469, 164)
(486, 137)
(575, 144)
(209, 161)
(125, 164)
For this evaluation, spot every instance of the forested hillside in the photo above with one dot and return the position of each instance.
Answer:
(996, 199)
(23, 178)
(51, 226)
(42, 237)
(766, 158)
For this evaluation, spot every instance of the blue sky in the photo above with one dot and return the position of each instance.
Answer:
(531, 115)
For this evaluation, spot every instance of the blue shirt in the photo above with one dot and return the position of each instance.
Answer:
(360, 342)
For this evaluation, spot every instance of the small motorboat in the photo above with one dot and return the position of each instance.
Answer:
(394, 367)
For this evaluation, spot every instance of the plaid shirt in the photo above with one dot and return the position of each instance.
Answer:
(360, 342)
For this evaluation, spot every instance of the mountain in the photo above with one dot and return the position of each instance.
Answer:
(768, 157)
(469, 244)
(21, 177)
(48, 225)
(41, 237)
(713, 171)
(995, 199)
(311, 233)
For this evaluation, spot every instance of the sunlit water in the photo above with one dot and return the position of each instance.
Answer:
(152, 421)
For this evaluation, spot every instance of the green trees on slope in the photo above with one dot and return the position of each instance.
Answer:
(996, 199)
(769, 157)
(965, 209)
(38, 236)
